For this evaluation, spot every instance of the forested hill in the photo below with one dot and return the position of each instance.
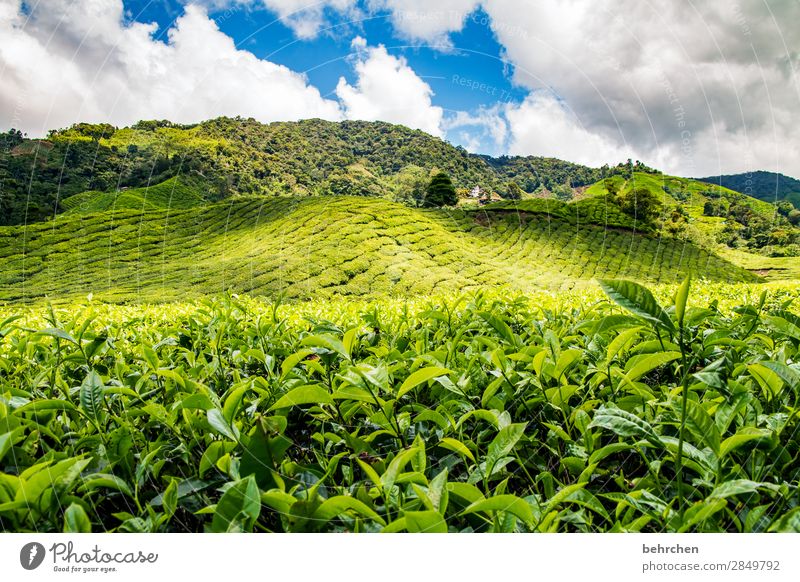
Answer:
(225, 156)
(767, 186)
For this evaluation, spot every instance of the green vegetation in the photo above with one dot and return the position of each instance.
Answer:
(440, 192)
(419, 372)
(334, 246)
(178, 192)
(232, 157)
(710, 215)
(588, 211)
(472, 414)
(766, 186)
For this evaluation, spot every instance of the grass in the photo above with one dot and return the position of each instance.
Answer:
(325, 247)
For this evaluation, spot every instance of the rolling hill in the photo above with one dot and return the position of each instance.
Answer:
(226, 157)
(767, 186)
(320, 247)
(711, 215)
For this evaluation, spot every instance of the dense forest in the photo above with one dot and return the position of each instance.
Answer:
(767, 186)
(228, 156)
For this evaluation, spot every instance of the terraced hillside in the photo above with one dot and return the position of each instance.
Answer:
(324, 247)
(177, 192)
(714, 216)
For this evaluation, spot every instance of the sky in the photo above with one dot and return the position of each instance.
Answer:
(695, 88)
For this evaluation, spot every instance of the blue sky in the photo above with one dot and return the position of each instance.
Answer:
(469, 75)
(698, 89)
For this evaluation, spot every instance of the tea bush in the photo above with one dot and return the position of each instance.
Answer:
(482, 412)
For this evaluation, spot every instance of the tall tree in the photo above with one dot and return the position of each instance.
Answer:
(440, 192)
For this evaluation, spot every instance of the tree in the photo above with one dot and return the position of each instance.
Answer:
(640, 203)
(611, 186)
(410, 184)
(784, 207)
(514, 192)
(440, 192)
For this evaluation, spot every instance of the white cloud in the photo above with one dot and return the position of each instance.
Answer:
(483, 131)
(66, 62)
(307, 17)
(388, 89)
(720, 76)
(542, 126)
(425, 21)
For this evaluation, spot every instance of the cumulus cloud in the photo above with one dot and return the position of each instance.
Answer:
(697, 87)
(700, 87)
(387, 89)
(424, 21)
(543, 125)
(304, 17)
(481, 131)
(63, 62)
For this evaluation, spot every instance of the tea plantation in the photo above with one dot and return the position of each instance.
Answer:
(485, 412)
(322, 247)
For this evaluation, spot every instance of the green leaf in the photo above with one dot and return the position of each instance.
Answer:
(76, 520)
(681, 297)
(700, 424)
(640, 365)
(743, 436)
(425, 522)
(789, 522)
(624, 424)
(46, 406)
(638, 300)
(503, 443)
(328, 342)
(291, 361)
(8, 439)
(466, 491)
(393, 470)
(232, 403)
(738, 487)
(59, 333)
(510, 503)
(106, 481)
(238, 508)
(783, 326)
(420, 377)
(169, 499)
(457, 446)
(91, 396)
(620, 342)
(336, 506)
(769, 380)
(309, 394)
(789, 375)
(48, 477)
(219, 424)
(501, 327)
(700, 512)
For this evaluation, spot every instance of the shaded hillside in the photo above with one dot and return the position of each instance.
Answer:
(329, 246)
(767, 186)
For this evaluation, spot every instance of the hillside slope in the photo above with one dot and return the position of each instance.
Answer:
(244, 157)
(324, 247)
(176, 192)
(767, 186)
(711, 215)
